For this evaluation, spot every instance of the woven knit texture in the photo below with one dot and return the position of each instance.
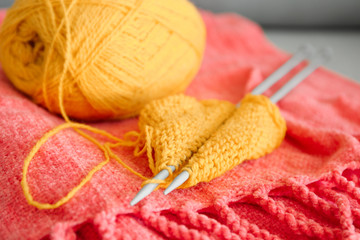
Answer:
(175, 127)
(255, 129)
(210, 137)
(308, 188)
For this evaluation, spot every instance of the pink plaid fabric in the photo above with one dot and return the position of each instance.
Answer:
(308, 188)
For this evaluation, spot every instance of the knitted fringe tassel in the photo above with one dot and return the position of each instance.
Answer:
(329, 215)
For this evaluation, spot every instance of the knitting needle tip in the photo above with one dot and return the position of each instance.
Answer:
(145, 191)
(148, 188)
(178, 181)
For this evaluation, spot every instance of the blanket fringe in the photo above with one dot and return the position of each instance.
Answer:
(329, 198)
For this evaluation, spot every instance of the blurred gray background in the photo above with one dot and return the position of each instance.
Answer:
(290, 23)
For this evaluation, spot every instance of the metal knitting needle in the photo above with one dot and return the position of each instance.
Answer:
(301, 54)
(322, 56)
(148, 188)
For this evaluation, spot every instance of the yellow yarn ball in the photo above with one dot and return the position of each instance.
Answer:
(107, 58)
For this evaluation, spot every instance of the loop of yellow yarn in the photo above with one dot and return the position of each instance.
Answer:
(106, 148)
(120, 54)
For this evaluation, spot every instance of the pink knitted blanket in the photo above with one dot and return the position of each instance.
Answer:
(308, 188)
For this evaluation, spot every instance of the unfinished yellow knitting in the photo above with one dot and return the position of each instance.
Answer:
(255, 129)
(211, 135)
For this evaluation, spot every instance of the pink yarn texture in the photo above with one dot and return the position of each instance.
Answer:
(306, 189)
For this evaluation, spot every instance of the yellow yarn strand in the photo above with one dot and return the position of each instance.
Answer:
(36, 148)
(51, 49)
(106, 148)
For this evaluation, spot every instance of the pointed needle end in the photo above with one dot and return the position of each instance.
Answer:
(145, 191)
(178, 181)
(148, 188)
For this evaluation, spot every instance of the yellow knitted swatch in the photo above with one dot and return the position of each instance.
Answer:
(176, 126)
(211, 135)
(255, 129)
